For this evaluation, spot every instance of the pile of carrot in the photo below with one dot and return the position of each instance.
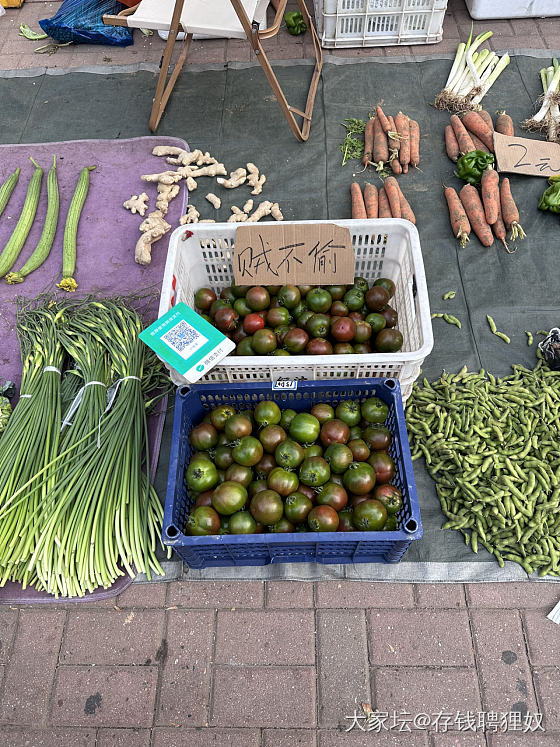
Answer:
(387, 202)
(393, 142)
(475, 132)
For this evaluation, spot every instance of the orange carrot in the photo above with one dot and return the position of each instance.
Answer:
(487, 118)
(510, 214)
(380, 145)
(368, 141)
(384, 209)
(382, 118)
(459, 222)
(500, 230)
(463, 137)
(403, 128)
(358, 206)
(371, 200)
(406, 211)
(490, 191)
(475, 124)
(392, 191)
(504, 124)
(396, 166)
(394, 143)
(475, 213)
(451, 144)
(414, 143)
(478, 144)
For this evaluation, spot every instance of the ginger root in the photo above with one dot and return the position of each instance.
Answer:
(137, 204)
(153, 227)
(255, 179)
(236, 179)
(264, 209)
(191, 184)
(276, 212)
(166, 177)
(166, 193)
(213, 200)
(207, 220)
(191, 216)
(248, 206)
(238, 216)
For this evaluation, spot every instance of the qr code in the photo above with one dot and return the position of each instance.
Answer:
(184, 339)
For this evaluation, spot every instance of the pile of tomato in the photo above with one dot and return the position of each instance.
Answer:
(305, 319)
(272, 470)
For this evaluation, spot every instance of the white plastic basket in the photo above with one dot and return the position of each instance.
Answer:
(379, 23)
(488, 9)
(382, 248)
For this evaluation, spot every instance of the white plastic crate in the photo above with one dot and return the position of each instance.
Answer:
(382, 248)
(379, 23)
(487, 9)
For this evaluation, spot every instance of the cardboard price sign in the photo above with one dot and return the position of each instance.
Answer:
(297, 254)
(520, 155)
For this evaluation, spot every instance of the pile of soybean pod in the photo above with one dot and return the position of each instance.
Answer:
(492, 445)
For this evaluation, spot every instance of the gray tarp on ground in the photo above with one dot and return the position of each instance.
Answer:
(230, 111)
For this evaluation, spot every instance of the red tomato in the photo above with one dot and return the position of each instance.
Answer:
(252, 323)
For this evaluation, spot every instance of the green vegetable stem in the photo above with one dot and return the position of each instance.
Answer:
(471, 166)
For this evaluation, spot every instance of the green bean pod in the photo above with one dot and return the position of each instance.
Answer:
(71, 231)
(7, 188)
(20, 233)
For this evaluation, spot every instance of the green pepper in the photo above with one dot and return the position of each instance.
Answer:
(471, 165)
(550, 199)
(295, 23)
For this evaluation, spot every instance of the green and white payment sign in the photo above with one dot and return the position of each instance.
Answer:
(190, 345)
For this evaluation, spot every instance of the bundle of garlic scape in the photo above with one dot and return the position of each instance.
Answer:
(547, 119)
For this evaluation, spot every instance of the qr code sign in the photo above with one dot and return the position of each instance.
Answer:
(184, 339)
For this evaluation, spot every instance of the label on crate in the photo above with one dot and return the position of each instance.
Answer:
(190, 345)
(520, 155)
(294, 253)
(284, 384)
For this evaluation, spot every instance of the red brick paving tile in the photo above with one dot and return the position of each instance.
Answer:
(29, 61)
(523, 26)
(26, 737)
(356, 738)
(216, 594)
(358, 52)
(289, 738)
(111, 637)
(543, 641)
(30, 673)
(502, 662)
(8, 621)
(550, 30)
(419, 637)
(206, 737)
(440, 596)
(343, 664)
(499, 27)
(104, 696)
(508, 43)
(185, 685)
(208, 51)
(450, 28)
(238, 51)
(453, 739)
(398, 50)
(289, 594)
(522, 595)
(444, 46)
(512, 739)
(253, 696)
(267, 637)
(547, 685)
(122, 738)
(340, 594)
(143, 595)
(422, 690)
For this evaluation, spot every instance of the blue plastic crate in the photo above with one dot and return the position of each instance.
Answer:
(192, 404)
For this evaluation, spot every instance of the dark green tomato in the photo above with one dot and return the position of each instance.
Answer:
(383, 465)
(271, 436)
(207, 318)
(264, 341)
(282, 481)
(338, 457)
(390, 315)
(281, 333)
(387, 284)
(337, 291)
(282, 527)
(314, 471)
(363, 332)
(304, 428)
(239, 473)
(221, 476)
(287, 417)
(339, 309)
(218, 304)
(389, 341)
(263, 467)
(319, 346)
(304, 317)
(354, 299)
(360, 450)
(257, 298)
(345, 520)
(201, 474)
(357, 316)
(223, 457)
(273, 289)
(203, 437)
(278, 316)
(343, 348)
(248, 451)
(295, 340)
(304, 290)
(374, 410)
(289, 454)
(204, 499)
(238, 335)
(240, 305)
(323, 412)
(376, 322)
(202, 522)
(349, 413)
(299, 309)
(226, 320)
(355, 432)
(319, 300)
(238, 426)
(361, 284)
(390, 496)
(266, 507)
(256, 486)
(222, 439)
(376, 298)
(323, 519)
(332, 494)
(204, 298)
(267, 412)
(313, 450)
(377, 437)
(228, 295)
(318, 325)
(220, 414)
(224, 525)
(356, 499)
(359, 478)
(308, 492)
(245, 347)
(334, 432)
(296, 507)
(392, 523)
(229, 497)
(239, 291)
(242, 522)
(281, 352)
(369, 516)
(289, 296)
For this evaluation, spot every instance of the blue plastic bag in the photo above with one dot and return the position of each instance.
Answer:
(81, 21)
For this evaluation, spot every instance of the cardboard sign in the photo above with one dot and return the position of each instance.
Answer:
(297, 254)
(520, 155)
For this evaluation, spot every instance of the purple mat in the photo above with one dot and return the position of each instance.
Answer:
(105, 266)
